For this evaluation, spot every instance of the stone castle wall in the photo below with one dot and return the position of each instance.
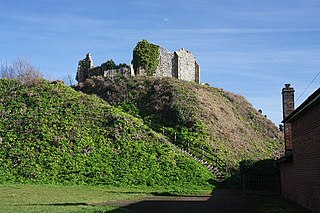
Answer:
(166, 63)
(186, 65)
(102, 71)
(87, 70)
(84, 66)
(197, 73)
(116, 72)
(180, 64)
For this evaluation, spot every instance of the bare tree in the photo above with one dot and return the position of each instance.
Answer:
(20, 69)
(69, 79)
(6, 70)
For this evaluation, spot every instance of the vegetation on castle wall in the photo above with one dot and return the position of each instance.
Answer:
(50, 133)
(146, 56)
(111, 65)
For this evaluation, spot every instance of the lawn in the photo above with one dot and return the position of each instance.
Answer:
(53, 198)
(97, 199)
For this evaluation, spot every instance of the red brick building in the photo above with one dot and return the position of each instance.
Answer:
(300, 167)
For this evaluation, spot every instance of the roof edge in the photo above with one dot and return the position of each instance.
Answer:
(306, 104)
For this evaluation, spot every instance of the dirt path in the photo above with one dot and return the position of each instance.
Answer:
(222, 200)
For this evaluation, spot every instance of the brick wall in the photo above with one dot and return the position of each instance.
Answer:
(301, 179)
(287, 180)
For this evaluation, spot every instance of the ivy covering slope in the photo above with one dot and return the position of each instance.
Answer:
(221, 121)
(50, 133)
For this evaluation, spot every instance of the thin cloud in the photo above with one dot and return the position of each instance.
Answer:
(278, 14)
(244, 30)
(253, 57)
(60, 20)
(145, 3)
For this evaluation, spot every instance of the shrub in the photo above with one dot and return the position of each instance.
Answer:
(258, 168)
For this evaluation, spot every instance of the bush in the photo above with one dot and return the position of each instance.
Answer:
(258, 168)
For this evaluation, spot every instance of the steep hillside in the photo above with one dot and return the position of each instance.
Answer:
(50, 133)
(221, 121)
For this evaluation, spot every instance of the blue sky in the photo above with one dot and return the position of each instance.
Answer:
(249, 47)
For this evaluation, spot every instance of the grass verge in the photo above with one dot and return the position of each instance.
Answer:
(55, 198)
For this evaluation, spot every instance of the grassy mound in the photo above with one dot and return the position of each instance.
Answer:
(221, 121)
(50, 133)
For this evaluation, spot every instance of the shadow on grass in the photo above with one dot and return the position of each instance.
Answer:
(228, 197)
(170, 194)
(59, 204)
(220, 200)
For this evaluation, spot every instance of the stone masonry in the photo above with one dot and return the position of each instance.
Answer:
(83, 68)
(180, 64)
(167, 63)
(186, 65)
(87, 70)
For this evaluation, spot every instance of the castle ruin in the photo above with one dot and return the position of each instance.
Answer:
(86, 69)
(180, 64)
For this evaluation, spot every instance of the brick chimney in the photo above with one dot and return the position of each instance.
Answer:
(288, 107)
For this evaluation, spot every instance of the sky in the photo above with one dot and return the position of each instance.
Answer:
(249, 47)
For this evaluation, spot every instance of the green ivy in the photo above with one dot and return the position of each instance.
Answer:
(53, 134)
(146, 56)
(111, 65)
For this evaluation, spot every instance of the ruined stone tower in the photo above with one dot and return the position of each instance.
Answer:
(180, 64)
(83, 68)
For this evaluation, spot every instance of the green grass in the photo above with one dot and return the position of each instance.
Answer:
(54, 198)
(27, 198)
